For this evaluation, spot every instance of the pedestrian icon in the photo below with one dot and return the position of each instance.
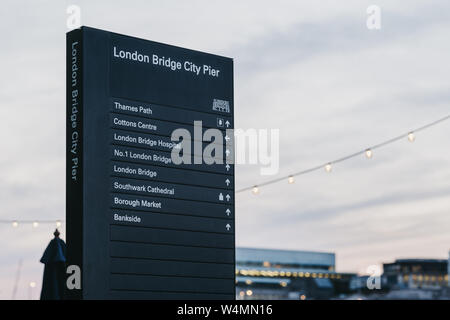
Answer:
(220, 196)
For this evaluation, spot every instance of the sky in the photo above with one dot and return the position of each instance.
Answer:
(311, 69)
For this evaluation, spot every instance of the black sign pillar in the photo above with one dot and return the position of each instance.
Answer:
(140, 226)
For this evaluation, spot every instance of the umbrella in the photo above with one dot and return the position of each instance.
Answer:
(54, 258)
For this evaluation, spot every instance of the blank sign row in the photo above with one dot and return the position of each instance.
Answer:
(166, 295)
(183, 284)
(171, 237)
(171, 268)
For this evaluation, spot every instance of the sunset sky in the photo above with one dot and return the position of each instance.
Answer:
(311, 69)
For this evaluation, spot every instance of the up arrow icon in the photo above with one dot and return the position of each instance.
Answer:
(227, 167)
(227, 152)
(227, 138)
(227, 182)
(228, 197)
(228, 227)
(227, 123)
(228, 211)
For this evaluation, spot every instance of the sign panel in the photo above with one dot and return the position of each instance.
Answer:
(139, 224)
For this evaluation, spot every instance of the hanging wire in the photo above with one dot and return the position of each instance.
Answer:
(290, 178)
(329, 165)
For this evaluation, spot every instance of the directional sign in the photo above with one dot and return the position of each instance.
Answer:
(140, 224)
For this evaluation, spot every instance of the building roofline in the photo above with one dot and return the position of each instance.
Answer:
(417, 260)
(287, 250)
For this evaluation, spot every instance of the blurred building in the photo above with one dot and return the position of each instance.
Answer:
(285, 274)
(416, 274)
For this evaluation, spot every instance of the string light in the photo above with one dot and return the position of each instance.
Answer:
(368, 152)
(34, 223)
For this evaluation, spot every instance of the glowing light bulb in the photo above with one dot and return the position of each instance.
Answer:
(32, 284)
(15, 224)
(411, 137)
(35, 224)
(328, 167)
(255, 190)
(369, 153)
(58, 223)
(249, 292)
(291, 179)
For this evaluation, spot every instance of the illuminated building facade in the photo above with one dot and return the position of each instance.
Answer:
(416, 273)
(286, 274)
